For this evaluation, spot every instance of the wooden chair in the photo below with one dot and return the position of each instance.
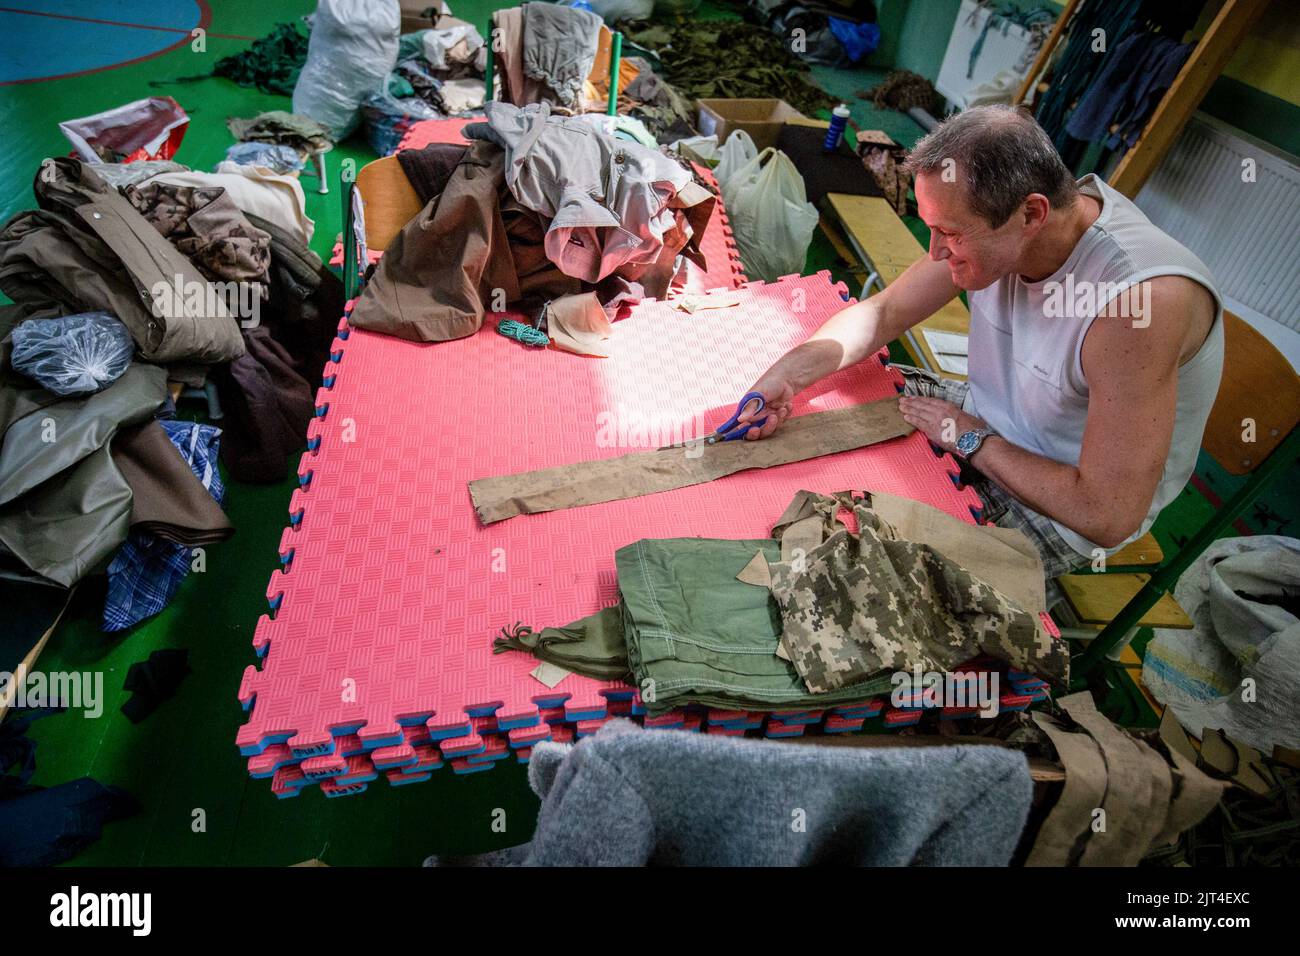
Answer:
(1251, 431)
(388, 203)
(390, 200)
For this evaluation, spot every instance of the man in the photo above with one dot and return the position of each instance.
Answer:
(1075, 431)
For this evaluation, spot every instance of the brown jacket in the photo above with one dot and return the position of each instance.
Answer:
(438, 277)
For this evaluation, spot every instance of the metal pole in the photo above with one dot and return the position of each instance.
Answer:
(491, 60)
(615, 55)
(1167, 576)
(351, 268)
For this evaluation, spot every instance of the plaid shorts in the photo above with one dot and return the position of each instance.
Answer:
(1000, 508)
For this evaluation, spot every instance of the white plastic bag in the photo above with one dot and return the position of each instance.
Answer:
(1243, 630)
(353, 47)
(738, 150)
(771, 217)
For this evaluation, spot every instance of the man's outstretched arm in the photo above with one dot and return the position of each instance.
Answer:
(851, 335)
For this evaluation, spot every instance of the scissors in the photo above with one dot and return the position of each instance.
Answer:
(728, 431)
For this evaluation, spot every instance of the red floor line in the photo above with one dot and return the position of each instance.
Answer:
(121, 23)
(1208, 494)
(205, 19)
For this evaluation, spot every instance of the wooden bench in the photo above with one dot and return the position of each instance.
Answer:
(886, 247)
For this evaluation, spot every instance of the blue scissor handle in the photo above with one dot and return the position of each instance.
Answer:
(725, 429)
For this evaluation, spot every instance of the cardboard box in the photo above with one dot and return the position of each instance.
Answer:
(413, 18)
(762, 119)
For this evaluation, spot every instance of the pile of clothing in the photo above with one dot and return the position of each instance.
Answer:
(814, 617)
(125, 278)
(662, 108)
(539, 207)
(276, 127)
(903, 90)
(271, 64)
(547, 52)
(439, 73)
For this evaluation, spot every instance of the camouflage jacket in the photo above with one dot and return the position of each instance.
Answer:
(206, 226)
(855, 605)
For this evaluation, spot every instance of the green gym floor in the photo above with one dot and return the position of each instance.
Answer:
(182, 759)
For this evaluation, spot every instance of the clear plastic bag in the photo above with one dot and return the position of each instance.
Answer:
(273, 156)
(75, 354)
(353, 47)
(771, 218)
(387, 118)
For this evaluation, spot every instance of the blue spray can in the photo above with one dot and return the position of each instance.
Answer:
(839, 120)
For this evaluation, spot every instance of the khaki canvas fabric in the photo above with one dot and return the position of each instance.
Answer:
(1149, 792)
(578, 324)
(646, 473)
(64, 505)
(1132, 789)
(1062, 835)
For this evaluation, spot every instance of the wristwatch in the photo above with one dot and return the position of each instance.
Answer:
(968, 443)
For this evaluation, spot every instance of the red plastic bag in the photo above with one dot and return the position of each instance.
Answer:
(145, 129)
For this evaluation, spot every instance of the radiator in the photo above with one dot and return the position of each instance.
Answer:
(1246, 232)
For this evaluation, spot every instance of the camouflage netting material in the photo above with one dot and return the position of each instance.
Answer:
(902, 90)
(853, 606)
(730, 59)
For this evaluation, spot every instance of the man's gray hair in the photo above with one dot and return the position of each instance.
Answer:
(1002, 155)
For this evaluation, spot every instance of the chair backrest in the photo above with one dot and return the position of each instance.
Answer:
(1258, 402)
(390, 201)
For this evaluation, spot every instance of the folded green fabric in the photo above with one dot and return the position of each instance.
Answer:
(695, 634)
(592, 646)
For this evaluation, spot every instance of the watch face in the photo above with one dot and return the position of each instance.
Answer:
(968, 442)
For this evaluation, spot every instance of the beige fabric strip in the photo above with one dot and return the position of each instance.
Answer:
(1129, 790)
(756, 572)
(1084, 789)
(649, 472)
(1195, 795)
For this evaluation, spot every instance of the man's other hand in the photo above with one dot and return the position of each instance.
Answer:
(942, 422)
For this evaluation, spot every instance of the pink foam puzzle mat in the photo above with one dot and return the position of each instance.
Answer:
(427, 132)
(718, 247)
(377, 654)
